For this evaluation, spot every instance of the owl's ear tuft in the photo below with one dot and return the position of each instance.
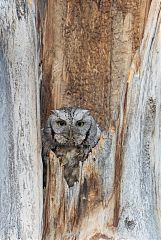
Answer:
(85, 112)
(55, 112)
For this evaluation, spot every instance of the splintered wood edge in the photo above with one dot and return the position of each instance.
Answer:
(96, 152)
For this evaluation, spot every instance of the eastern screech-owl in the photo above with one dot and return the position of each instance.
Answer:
(70, 133)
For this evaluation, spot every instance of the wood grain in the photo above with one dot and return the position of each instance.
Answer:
(87, 49)
(111, 65)
(21, 202)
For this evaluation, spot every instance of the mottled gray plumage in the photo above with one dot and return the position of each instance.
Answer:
(70, 133)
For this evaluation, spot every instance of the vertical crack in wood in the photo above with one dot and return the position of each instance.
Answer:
(46, 204)
(118, 161)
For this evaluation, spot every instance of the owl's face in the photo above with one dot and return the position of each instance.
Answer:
(70, 126)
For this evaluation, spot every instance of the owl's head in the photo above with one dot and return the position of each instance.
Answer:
(71, 126)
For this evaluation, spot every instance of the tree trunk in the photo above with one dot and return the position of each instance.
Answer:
(87, 50)
(20, 159)
(95, 56)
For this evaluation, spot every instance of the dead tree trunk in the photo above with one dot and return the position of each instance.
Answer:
(99, 55)
(20, 159)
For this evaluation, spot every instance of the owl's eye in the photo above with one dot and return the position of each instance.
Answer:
(61, 123)
(80, 123)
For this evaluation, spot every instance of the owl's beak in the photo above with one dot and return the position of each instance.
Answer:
(70, 134)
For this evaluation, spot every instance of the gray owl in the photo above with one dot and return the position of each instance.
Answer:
(70, 133)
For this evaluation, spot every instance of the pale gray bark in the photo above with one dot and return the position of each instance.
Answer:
(140, 215)
(20, 159)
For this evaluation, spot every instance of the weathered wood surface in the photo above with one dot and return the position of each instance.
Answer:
(118, 195)
(68, 210)
(20, 159)
(87, 49)
(128, 205)
(140, 215)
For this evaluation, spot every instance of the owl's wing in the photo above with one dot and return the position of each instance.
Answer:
(48, 141)
(93, 135)
(92, 139)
